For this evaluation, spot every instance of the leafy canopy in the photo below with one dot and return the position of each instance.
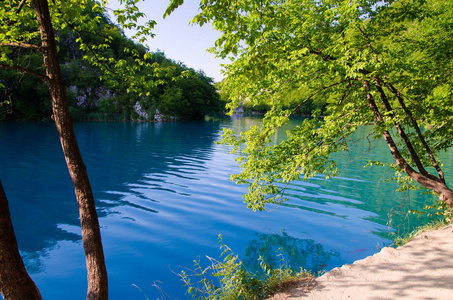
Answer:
(112, 73)
(387, 63)
(85, 20)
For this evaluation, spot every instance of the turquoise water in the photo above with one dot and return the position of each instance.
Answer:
(163, 196)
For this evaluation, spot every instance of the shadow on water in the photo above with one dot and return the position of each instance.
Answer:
(38, 188)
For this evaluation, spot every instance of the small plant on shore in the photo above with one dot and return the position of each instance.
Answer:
(229, 279)
(441, 215)
(439, 210)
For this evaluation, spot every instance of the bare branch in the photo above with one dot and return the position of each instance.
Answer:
(26, 70)
(21, 4)
(21, 45)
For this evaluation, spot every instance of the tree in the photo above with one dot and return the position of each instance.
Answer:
(387, 63)
(97, 272)
(191, 96)
(92, 92)
(15, 283)
(27, 27)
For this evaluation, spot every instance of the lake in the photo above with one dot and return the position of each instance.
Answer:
(163, 196)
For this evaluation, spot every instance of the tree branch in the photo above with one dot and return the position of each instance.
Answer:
(26, 70)
(397, 94)
(415, 157)
(369, 43)
(445, 194)
(324, 57)
(21, 4)
(399, 159)
(99, 60)
(345, 92)
(21, 45)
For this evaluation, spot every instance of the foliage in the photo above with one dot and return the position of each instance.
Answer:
(231, 280)
(107, 74)
(28, 32)
(191, 96)
(438, 211)
(386, 63)
(27, 96)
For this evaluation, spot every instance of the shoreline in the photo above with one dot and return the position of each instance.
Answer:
(420, 269)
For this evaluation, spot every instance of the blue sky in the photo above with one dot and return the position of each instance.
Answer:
(179, 40)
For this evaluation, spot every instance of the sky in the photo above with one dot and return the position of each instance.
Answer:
(177, 39)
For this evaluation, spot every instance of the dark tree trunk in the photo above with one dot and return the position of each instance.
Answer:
(94, 255)
(15, 284)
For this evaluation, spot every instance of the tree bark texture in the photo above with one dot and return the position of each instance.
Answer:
(15, 283)
(91, 236)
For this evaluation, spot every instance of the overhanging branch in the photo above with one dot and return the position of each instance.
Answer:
(397, 94)
(429, 182)
(399, 159)
(27, 71)
(415, 157)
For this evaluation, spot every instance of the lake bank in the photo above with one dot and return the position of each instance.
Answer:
(420, 269)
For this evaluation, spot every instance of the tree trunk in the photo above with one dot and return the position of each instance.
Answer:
(15, 283)
(428, 181)
(94, 255)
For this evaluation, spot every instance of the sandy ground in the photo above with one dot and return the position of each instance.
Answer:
(421, 269)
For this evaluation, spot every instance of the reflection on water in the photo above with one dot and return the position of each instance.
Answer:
(282, 249)
(163, 196)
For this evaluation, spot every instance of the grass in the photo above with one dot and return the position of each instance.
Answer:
(404, 239)
(230, 280)
(442, 215)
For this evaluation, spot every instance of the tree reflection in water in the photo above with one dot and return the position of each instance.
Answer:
(278, 250)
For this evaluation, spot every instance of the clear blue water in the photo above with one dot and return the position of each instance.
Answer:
(163, 196)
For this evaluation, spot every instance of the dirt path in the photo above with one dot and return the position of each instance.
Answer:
(421, 269)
